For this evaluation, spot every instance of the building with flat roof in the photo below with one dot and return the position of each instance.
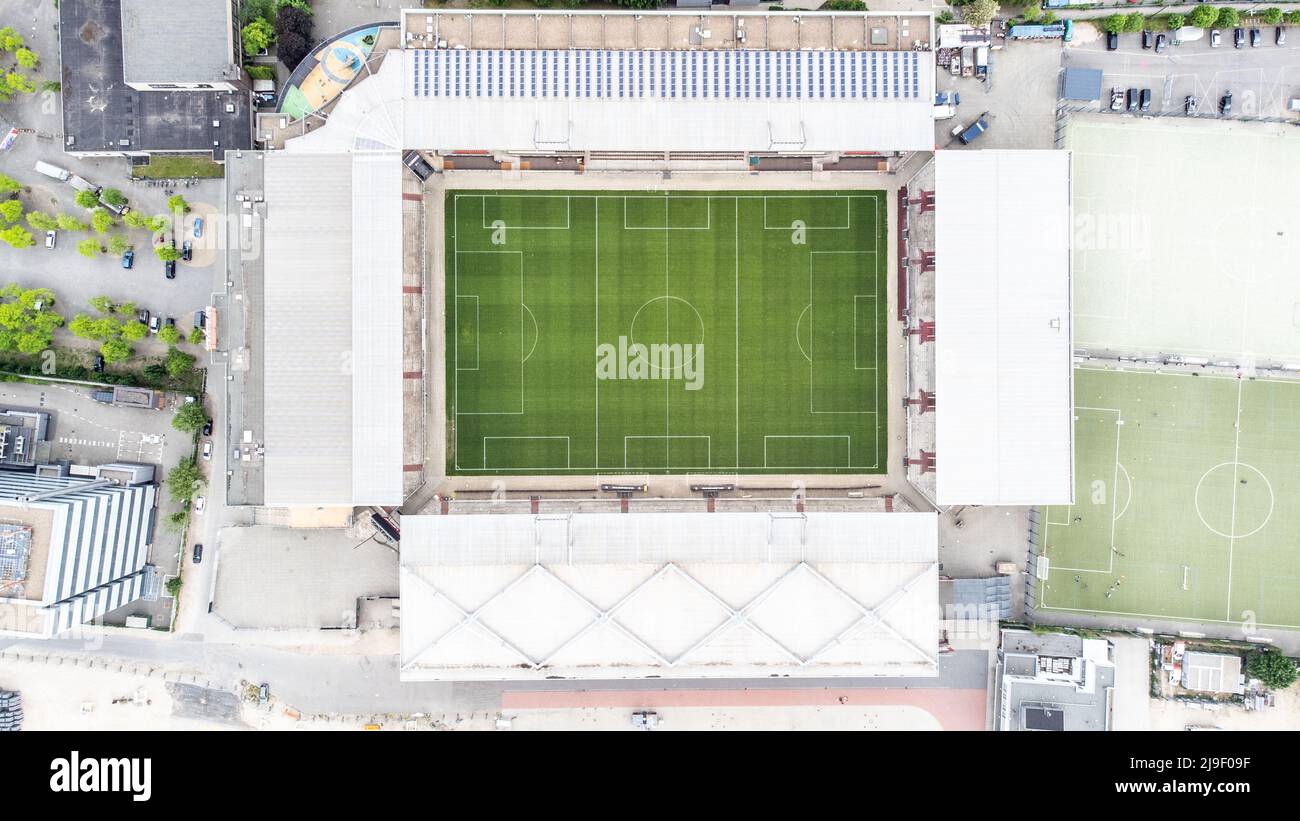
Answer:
(669, 595)
(21, 432)
(1213, 673)
(1004, 430)
(104, 114)
(71, 550)
(1054, 681)
(197, 50)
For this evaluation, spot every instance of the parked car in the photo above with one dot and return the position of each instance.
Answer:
(143, 316)
(200, 502)
(263, 693)
(1225, 104)
(1255, 38)
(1144, 100)
(1216, 37)
(207, 428)
(198, 552)
(976, 129)
(200, 319)
(154, 324)
(1132, 99)
(1189, 105)
(1279, 36)
(187, 251)
(198, 227)
(169, 269)
(207, 451)
(99, 363)
(1112, 41)
(1146, 38)
(51, 239)
(1160, 42)
(1238, 38)
(171, 322)
(1116, 99)
(128, 259)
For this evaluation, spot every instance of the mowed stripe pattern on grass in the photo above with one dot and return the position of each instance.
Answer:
(1183, 500)
(626, 332)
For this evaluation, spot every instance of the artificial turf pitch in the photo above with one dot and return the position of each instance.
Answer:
(688, 332)
(1184, 501)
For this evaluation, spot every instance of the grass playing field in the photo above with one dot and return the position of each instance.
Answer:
(1182, 498)
(690, 332)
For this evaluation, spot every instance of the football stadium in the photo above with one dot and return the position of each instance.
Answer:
(599, 332)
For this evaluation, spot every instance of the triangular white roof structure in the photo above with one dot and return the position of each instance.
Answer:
(675, 595)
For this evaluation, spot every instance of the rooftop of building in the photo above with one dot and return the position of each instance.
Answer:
(161, 46)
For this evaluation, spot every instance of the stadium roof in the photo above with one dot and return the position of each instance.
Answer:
(1004, 428)
(629, 100)
(680, 595)
(333, 329)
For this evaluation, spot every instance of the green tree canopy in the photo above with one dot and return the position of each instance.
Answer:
(41, 221)
(1175, 21)
(1134, 21)
(27, 58)
(177, 203)
(9, 185)
(978, 13)
(101, 220)
(87, 199)
(1275, 670)
(190, 417)
(17, 236)
(102, 304)
(113, 197)
(257, 36)
(99, 329)
(178, 363)
(115, 350)
(1292, 17)
(1272, 16)
(134, 330)
(184, 480)
(89, 248)
(117, 244)
(1228, 18)
(11, 210)
(23, 326)
(11, 40)
(196, 336)
(167, 253)
(169, 334)
(67, 222)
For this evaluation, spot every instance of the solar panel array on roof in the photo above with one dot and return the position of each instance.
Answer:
(711, 75)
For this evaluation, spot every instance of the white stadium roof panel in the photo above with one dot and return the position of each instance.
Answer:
(671, 595)
(1004, 427)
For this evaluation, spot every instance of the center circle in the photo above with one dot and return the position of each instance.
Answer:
(1215, 489)
(676, 322)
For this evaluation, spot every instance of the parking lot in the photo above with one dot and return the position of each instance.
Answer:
(1019, 99)
(1261, 79)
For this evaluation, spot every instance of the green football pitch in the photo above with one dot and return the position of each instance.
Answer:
(1184, 501)
(690, 332)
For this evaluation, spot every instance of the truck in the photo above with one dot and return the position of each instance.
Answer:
(60, 174)
(982, 61)
(83, 184)
(976, 129)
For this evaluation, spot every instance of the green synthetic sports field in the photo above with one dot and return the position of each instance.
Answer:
(1185, 490)
(690, 332)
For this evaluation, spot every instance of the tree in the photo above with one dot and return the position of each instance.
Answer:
(11, 40)
(979, 13)
(1030, 13)
(87, 199)
(1114, 24)
(257, 36)
(1272, 16)
(184, 480)
(24, 326)
(177, 203)
(196, 335)
(1229, 18)
(169, 334)
(173, 585)
(11, 210)
(17, 236)
(89, 248)
(67, 222)
(115, 350)
(41, 221)
(293, 31)
(102, 304)
(1276, 671)
(118, 244)
(300, 5)
(113, 197)
(1292, 17)
(155, 372)
(178, 363)
(1134, 21)
(190, 417)
(134, 330)
(1175, 21)
(27, 58)
(101, 220)
(19, 83)
(100, 330)
(167, 253)
(257, 10)
(8, 185)
(125, 309)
